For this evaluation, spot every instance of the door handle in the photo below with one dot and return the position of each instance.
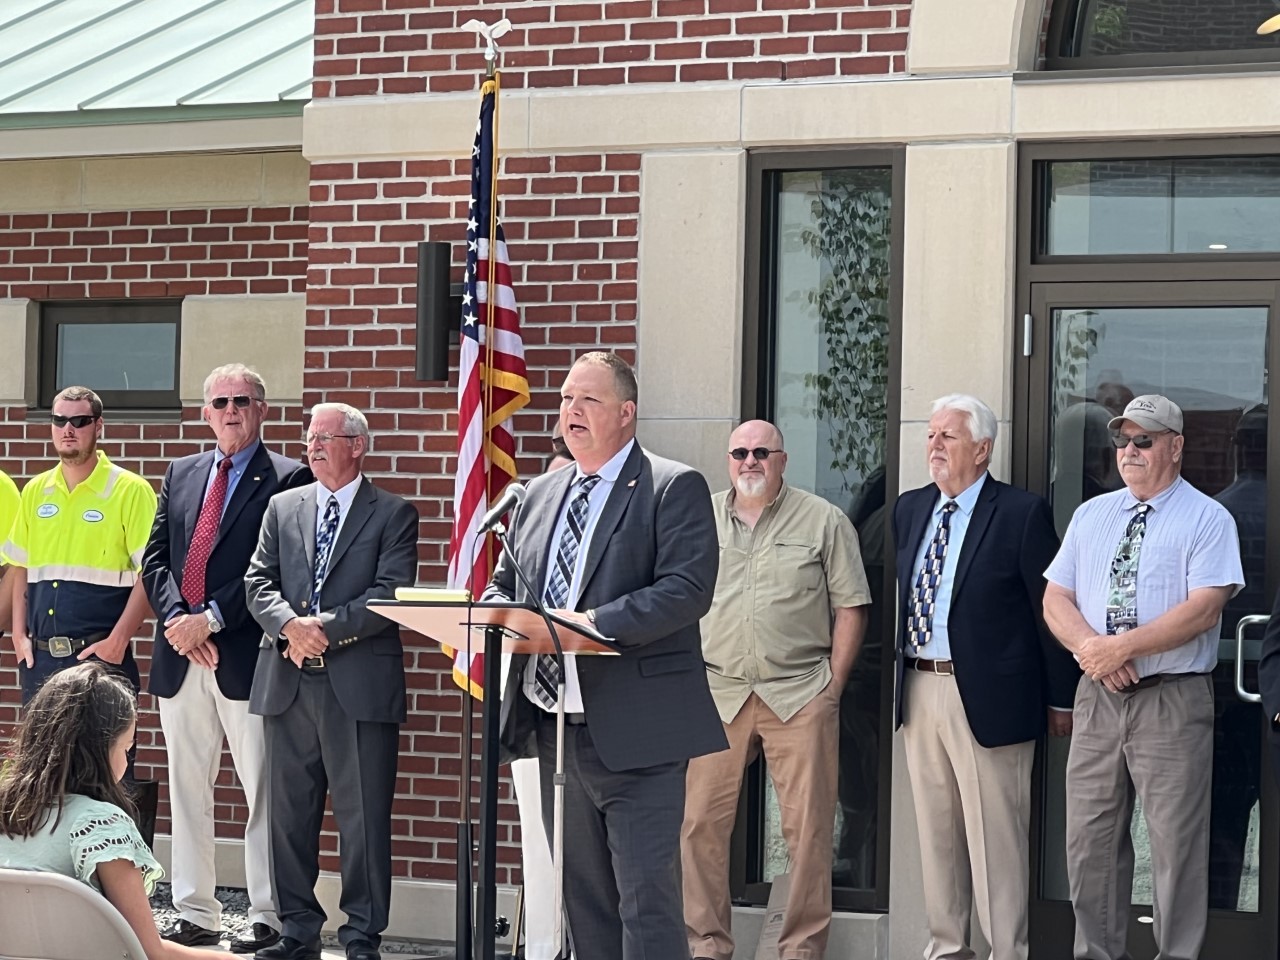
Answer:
(1244, 624)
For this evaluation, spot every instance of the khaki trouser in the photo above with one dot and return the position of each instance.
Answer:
(973, 809)
(1156, 743)
(802, 759)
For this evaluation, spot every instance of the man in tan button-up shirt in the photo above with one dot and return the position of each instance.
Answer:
(783, 632)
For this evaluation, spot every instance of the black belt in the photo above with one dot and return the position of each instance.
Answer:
(68, 646)
(1158, 678)
(943, 668)
(570, 719)
(313, 664)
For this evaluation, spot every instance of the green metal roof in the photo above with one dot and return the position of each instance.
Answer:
(168, 58)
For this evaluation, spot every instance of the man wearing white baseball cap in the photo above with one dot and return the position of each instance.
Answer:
(1136, 593)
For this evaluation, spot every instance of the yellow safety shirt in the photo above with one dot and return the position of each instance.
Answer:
(82, 548)
(9, 498)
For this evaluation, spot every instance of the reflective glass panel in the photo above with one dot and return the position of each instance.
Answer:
(1105, 28)
(117, 356)
(1205, 205)
(1211, 361)
(831, 348)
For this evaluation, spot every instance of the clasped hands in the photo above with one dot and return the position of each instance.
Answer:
(1105, 658)
(188, 635)
(306, 639)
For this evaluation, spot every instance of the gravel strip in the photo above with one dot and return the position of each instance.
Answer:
(235, 905)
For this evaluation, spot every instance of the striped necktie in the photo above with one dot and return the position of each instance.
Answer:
(920, 619)
(325, 537)
(556, 593)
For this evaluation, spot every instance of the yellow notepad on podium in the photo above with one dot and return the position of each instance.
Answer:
(432, 595)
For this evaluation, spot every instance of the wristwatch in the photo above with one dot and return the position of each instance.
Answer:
(214, 623)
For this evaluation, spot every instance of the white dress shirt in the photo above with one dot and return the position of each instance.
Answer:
(345, 496)
(608, 475)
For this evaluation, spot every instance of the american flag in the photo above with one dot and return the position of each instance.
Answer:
(492, 385)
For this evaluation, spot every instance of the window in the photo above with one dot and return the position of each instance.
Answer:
(125, 351)
(822, 318)
(1151, 33)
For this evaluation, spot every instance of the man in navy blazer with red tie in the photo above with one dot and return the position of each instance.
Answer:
(978, 677)
(206, 529)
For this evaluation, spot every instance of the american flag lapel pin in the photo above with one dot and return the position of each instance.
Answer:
(631, 484)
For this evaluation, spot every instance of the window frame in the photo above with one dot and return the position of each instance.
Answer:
(1064, 15)
(764, 165)
(55, 314)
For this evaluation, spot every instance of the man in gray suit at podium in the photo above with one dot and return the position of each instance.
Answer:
(624, 541)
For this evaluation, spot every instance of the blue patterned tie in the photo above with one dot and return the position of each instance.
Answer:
(920, 620)
(1122, 597)
(556, 593)
(324, 549)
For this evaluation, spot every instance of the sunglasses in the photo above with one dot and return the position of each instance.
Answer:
(79, 422)
(240, 400)
(1142, 441)
(760, 453)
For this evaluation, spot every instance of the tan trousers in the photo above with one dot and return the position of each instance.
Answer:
(973, 808)
(802, 759)
(1156, 743)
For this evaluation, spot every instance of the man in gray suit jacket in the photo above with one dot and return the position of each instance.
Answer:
(330, 682)
(626, 542)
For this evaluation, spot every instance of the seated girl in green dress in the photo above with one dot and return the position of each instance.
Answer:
(62, 808)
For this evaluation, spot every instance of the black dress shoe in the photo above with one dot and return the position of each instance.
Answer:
(190, 935)
(261, 936)
(362, 950)
(287, 948)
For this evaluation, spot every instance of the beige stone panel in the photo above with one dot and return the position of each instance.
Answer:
(957, 293)
(618, 119)
(140, 139)
(286, 178)
(876, 111)
(264, 332)
(699, 443)
(411, 127)
(970, 36)
(41, 186)
(18, 319)
(130, 183)
(690, 283)
(1165, 106)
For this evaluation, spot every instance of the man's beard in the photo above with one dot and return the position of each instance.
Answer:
(73, 458)
(750, 484)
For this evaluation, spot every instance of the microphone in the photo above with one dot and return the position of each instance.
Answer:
(511, 498)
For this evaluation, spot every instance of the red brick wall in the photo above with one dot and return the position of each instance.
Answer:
(367, 47)
(571, 225)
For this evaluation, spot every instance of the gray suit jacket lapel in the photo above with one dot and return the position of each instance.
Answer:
(544, 528)
(307, 525)
(359, 514)
(611, 515)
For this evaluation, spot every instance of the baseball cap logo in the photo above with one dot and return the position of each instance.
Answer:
(1144, 405)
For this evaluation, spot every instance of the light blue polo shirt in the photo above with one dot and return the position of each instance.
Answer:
(1190, 543)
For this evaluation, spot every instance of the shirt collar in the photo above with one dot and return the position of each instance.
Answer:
(345, 494)
(967, 499)
(732, 498)
(239, 460)
(612, 467)
(1159, 500)
(96, 481)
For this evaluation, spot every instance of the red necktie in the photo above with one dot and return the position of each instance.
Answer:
(206, 532)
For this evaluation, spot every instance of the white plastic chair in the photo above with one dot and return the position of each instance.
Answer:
(46, 916)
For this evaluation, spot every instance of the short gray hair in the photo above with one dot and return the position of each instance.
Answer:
(982, 421)
(235, 371)
(353, 421)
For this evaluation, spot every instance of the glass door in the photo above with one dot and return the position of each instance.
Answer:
(1093, 347)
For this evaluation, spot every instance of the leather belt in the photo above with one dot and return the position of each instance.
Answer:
(943, 668)
(1158, 678)
(575, 719)
(61, 647)
(313, 664)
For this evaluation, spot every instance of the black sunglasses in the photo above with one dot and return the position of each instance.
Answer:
(240, 400)
(760, 453)
(79, 422)
(1142, 441)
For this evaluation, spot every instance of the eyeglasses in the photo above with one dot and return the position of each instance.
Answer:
(79, 422)
(1142, 441)
(327, 438)
(240, 400)
(760, 453)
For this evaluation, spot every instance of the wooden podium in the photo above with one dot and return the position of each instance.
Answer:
(503, 627)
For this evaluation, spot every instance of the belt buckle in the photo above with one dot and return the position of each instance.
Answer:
(316, 663)
(60, 647)
(950, 670)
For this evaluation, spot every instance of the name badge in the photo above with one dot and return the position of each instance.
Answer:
(93, 516)
(46, 510)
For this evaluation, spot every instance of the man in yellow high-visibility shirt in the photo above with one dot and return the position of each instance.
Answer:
(76, 552)
(9, 498)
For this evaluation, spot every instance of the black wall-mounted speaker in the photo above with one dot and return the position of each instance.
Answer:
(438, 312)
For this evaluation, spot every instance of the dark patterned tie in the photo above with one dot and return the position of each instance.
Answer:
(920, 620)
(324, 549)
(556, 593)
(1122, 596)
(206, 532)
